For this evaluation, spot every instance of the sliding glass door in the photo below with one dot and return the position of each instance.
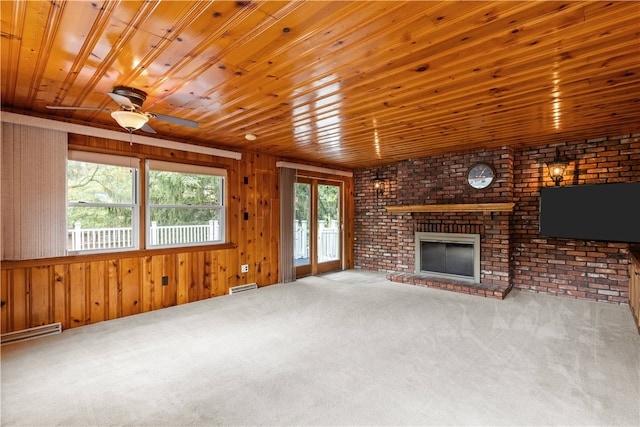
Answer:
(317, 226)
(301, 228)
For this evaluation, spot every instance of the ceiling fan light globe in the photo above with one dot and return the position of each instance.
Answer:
(130, 120)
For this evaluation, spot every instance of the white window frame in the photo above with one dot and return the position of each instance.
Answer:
(159, 165)
(111, 160)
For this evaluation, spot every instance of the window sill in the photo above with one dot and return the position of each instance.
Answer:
(136, 253)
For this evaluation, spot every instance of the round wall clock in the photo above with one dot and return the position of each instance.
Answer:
(481, 175)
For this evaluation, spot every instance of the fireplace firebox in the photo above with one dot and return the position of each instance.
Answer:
(448, 255)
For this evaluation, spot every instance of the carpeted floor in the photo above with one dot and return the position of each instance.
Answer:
(348, 348)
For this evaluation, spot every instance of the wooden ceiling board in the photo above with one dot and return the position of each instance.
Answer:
(348, 84)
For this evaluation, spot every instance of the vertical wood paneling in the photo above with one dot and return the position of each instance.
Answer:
(182, 274)
(60, 298)
(208, 273)
(113, 285)
(98, 308)
(244, 240)
(261, 233)
(223, 274)
(4, 299)
(197, 277)
(230, 266)
(168, 266)
(262, 246)
(39, 303)
(148, 285)
(130, 281)
(18, 300)
(252, 244)
(217, 284)
(77, 295)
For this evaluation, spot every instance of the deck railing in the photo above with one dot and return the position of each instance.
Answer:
(328, 241)
(165, 235)
(85, 239)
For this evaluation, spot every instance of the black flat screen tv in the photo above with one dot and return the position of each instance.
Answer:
(604, 212)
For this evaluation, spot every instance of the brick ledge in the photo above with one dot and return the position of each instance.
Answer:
(479, 289)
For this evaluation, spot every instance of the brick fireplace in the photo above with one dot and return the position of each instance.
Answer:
(513, 254)
(424, 183)
(493, 228)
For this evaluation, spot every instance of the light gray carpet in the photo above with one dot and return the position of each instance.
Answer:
(348, 348)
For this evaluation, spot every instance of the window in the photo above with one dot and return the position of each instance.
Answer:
(185, 204)
(102, 202)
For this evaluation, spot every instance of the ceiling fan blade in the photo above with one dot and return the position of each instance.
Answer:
(147, 128)
(57, 107)
(121, 100)
(176, 120)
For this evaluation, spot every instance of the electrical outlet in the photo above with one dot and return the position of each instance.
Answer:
(244, 268)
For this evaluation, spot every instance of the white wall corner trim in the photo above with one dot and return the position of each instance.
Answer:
(300, 166)
(118, 136)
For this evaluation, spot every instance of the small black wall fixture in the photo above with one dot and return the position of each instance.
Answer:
(378, 185)
(557, 167)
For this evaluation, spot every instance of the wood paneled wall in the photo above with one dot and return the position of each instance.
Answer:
(84, 292)
(81, 290)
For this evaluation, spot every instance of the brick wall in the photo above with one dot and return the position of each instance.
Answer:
(386, 242)
(513, 250)
(376, 232)
(577, 268)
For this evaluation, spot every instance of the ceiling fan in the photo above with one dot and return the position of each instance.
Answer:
(130, 115)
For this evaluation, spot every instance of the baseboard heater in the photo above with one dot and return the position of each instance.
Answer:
(242, 288)
(31, 333)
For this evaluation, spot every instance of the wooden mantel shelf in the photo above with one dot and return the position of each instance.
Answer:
(460, 207)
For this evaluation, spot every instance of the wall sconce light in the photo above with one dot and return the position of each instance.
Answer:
(557, 167)
(378, 185)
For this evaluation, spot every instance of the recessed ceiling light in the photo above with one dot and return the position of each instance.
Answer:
(250, 137)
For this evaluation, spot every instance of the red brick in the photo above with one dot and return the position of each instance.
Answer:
(573, 268)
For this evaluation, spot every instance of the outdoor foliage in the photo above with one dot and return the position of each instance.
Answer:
(328, 202)
(302, 201)
(100, 193)
(184, 199)
(102, 196)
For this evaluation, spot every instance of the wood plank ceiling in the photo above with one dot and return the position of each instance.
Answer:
(348, 84)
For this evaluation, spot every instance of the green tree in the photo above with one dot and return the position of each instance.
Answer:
(90, 183)
(328, 203)
(189, 194)
(302, 201)
(180, 196)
